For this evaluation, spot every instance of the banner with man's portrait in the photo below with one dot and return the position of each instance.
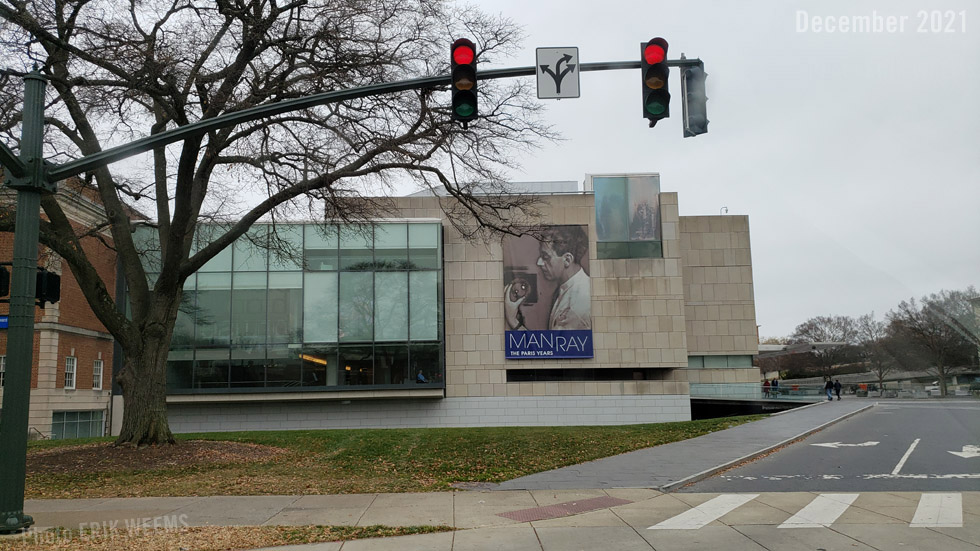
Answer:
(548, 294)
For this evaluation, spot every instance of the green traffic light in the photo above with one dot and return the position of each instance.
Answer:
(465, 109)
(655, 108)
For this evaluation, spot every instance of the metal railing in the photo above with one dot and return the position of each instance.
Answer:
(755, 391)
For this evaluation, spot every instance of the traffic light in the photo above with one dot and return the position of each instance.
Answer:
(463, 63)
(654, 70)
(695, 101)
(48, 287)
(4, 281)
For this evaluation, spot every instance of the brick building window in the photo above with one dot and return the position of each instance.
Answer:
(3, 369)
(70, 363)
(97, 375)
(77, 424)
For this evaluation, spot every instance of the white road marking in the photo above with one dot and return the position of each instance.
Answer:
(842, 445)
(968, 452)
(939, 511)
(821, 512)
(905, 457)
(705, 513)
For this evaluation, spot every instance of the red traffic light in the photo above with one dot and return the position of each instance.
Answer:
(463, 53)
(655, 52)
(462, 57)
(655, 73)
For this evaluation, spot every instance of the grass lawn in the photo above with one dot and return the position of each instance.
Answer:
(334, 461)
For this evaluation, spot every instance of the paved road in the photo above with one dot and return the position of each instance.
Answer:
(896, 446)
(671, 465)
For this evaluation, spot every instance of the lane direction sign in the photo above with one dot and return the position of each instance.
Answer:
(842, 445)
(557, 73)
(968, 452)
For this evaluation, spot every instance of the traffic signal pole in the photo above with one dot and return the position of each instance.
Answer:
(30, 184)
(31, 177)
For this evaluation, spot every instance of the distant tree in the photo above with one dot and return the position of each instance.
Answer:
(872, 338)
(770, 363)
(837, 329)
(943, 326)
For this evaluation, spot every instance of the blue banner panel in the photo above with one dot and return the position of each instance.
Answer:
(522, 345)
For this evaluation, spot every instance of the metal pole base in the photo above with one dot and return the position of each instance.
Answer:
(15, 521)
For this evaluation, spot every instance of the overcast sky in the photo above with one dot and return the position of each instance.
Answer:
(856, 155)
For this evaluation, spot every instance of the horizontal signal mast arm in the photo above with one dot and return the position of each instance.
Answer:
(90, 162)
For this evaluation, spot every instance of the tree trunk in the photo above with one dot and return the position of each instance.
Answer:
(941, 371)
(144, 384)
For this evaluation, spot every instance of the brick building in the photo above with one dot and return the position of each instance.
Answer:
(71, 376)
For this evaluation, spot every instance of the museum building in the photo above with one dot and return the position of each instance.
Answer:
(619, 312)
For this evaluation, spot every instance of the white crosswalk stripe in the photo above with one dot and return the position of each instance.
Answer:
(821, 512)
(939, 511)
(705, 513)
(935, 510)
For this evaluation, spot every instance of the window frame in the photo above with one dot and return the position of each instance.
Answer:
(73, 362)
(97, 369)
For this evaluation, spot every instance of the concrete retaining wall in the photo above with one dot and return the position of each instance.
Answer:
(449, 412)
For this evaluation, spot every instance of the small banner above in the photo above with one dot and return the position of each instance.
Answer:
(548, 344)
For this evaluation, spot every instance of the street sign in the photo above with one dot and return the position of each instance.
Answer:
(557, 72)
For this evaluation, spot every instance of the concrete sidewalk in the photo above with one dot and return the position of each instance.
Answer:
(511, 517)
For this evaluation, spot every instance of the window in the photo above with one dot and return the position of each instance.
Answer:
(627, 217)
(70, 363)
(3, 368)
(362, 308)
(356, 307)
(248, 308)
(97, 375)
(77, 424)
(213, 310)
(391, 306)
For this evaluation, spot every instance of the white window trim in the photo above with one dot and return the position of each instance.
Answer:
(97, 367)
(3, 370)
(72, 362)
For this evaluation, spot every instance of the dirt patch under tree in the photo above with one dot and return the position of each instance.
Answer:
(106, 457)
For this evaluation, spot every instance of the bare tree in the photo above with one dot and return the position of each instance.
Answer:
(872, 336)
(125, 70)
(943, 326)
(828, 329)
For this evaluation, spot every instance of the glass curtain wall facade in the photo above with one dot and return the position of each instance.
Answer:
(348, 307)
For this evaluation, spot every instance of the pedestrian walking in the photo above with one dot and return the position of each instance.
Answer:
(774, 388)
(765, 388)
(837, 387)
(829, 387)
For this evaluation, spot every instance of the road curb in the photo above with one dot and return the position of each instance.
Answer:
(666, 488)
